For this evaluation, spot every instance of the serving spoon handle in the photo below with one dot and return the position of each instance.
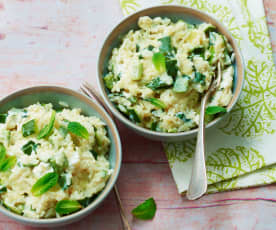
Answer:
(89, 91)
(198, 181)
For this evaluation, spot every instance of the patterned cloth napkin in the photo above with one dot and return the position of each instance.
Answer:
(241, 152)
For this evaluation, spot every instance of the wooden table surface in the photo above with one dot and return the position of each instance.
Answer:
(57, 42)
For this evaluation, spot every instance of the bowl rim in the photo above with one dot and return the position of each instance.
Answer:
(118, 148)
(149, 132)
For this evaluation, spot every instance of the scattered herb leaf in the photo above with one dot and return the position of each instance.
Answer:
(65, 207)
(77, 129)
(3, 189)
(47, 129)
(158, 83)
(146, 210)
(166, 46)
(45, 183)
(211, 110)
(7, 163)
(199, 78)
(156, 102)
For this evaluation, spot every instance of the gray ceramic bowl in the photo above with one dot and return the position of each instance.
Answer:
(173, 12)
(53, 94)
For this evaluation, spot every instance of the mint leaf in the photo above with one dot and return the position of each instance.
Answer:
(28, 128)
(45, 183)
(211, 110)
(77, 129)
(7, 163)
(156, 102)
(146, 210)
(47, 129)
(65, 207)
(159, 62)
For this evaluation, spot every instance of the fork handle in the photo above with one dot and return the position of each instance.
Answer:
(198, 182)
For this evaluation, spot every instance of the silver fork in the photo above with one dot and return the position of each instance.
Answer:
(88, 90)
(198, 181)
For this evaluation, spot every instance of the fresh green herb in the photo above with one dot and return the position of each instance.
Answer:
(28, 128)
(182, 117)
(191, 26)
(3, 118)
(45, 183)
(94, 153)
(29, 147)
(3, 189)
(140, 56)
(211, 110)
(159, 62)
(7, 163)
(156, 102)
(2, 152)
(199, 78)
(133, 116)
(212, 38)
(65, 207)
(181, 84)
(166, 46)
(137, 48)
(77, 129)
(63, 131)
(150, 47)
(47, 129)
(64, 181)
(160, 83)
(146, 210)
(59, 169)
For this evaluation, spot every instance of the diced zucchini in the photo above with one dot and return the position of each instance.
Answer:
(181, 84)
(166, 46)
(133, 116)
(109, 80)
(138, 72)
(159, 62)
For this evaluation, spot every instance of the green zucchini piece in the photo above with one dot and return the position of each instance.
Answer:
(181, 84)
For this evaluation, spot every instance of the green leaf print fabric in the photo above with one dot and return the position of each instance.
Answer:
(240, 152)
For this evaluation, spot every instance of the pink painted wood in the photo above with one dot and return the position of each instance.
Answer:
(57, 42)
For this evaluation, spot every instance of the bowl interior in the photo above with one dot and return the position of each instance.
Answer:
(174, 13)
(55, 95)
